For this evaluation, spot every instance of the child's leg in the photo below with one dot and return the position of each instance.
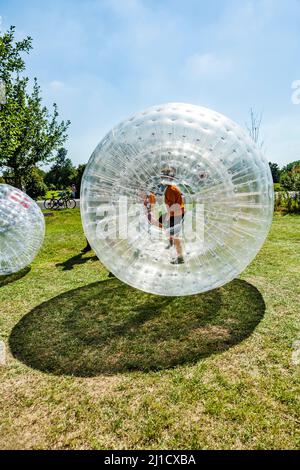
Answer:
(178, 247)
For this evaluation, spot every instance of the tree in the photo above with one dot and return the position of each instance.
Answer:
(80, 171)
(290, 176)
(291, 166)
(34, 181)
(28, 132)
(291, 182)
(62, 174)
(254, 127)
(275, 170)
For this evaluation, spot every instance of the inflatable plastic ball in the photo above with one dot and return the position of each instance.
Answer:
(197, 160)
(22, 229)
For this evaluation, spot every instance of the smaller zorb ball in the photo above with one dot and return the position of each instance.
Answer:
(22, 229)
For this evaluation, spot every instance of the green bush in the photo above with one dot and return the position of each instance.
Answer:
(34, 182)
(287, 202)
(278, 187)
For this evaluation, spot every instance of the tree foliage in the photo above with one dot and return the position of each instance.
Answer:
(29, 133)
(275, 170)
(290, 176)
(62, 174)
(34, 183)
(290, 167)
(80, 171)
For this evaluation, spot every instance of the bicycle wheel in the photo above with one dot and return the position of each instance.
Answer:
(48, 204)
(61, 204)
(71, 203)
(56, 204)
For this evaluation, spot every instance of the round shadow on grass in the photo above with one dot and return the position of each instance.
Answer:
(7, 279)
(109, 327)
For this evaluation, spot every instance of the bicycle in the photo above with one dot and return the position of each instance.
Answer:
(63, 202)
(51, 203)
(67, 201)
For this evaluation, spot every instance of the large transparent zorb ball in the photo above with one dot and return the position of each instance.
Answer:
(222, 183)
(22, 229)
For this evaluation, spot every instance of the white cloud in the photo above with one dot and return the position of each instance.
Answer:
(110, 58)
(57, 86)
(207, 65)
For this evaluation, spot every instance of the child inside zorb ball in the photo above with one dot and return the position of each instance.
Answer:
(172, 220)
(174, 160)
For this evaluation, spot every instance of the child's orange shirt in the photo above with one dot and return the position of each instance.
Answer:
(173, 197)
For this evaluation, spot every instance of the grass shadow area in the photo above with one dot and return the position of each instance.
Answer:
(108, 327)
(69, 264)
(14, 277)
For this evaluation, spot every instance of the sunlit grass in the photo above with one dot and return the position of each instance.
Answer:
(93, 363)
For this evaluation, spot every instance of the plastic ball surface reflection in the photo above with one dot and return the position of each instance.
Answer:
(22, 229)
(197, 158)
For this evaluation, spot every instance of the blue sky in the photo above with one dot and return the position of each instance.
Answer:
(102, 60)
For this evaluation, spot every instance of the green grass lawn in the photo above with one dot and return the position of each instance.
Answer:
(93, 363)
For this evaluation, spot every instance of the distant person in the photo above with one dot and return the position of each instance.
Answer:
(74, 190)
